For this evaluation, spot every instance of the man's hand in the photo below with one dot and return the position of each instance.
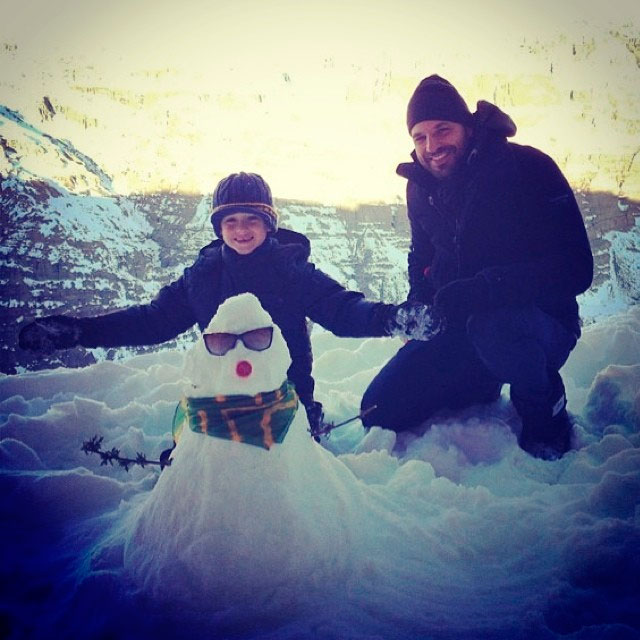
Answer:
(414, 321)
(48, 334)
(459, 299)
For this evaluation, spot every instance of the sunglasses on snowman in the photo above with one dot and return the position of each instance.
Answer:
(218, 344)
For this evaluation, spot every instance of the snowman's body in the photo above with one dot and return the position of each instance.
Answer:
(225, 517)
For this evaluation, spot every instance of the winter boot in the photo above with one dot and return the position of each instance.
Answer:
(546, 427)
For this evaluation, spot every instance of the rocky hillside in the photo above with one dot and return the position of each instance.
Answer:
(325, 125)
(71, 245)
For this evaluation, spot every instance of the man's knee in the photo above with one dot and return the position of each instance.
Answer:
(398, 390)
(388, 413)
(381, 404)
(504, 342)
(369, 407)
(516, 332)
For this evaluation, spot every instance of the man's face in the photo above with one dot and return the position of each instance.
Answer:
(440, 145)
(243, 232)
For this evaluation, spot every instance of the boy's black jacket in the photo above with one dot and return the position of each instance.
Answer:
(278, 273)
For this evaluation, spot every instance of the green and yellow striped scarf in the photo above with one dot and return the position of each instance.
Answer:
(260, 420)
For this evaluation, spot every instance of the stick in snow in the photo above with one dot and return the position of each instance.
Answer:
(94, 445)
(329, 426)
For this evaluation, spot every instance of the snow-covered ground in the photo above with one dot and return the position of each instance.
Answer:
(451, 532)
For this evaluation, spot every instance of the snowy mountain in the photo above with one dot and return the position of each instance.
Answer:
(31, 155)
(72, 245)
(69, 243)
(364, 252)
(328, 127)
(625, 263)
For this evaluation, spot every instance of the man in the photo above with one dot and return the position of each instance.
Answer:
(499, 248)
(251, 255)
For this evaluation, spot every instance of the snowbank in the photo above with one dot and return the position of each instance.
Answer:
(451, 532)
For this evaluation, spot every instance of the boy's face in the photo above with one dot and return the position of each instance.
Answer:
(243, 232)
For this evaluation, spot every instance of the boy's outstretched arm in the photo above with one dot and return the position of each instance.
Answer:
(348, 314)
(162, 319)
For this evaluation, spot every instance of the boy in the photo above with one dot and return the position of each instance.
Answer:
(250, 255)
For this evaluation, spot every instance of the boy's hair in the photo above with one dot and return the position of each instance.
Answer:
(243, 193)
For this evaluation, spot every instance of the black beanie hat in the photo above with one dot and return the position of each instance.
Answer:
(437, 99)
(243, 193)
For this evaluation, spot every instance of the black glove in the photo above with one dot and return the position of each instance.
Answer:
(414, 321)
(50, 333)
(459, 299)
(165, 457)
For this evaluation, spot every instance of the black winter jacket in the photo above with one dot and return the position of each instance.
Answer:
(278, 273)
(507, 213)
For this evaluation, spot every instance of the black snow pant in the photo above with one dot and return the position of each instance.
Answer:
(522, 346)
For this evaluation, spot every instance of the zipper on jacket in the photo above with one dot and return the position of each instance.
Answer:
(456, 232)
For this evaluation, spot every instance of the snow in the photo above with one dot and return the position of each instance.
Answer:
(35, 153)
(447, 532)
(623, 287)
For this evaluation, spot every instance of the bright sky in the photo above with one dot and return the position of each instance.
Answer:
(311, 94)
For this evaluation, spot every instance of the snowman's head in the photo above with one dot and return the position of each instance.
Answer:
(241, 352)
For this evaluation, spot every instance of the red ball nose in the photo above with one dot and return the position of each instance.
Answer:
(244, 368)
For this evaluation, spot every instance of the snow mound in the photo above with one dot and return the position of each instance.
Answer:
(447, 532)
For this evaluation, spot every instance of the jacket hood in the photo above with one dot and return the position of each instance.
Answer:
(489, 119)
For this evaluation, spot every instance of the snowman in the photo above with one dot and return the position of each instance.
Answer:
(251, 509)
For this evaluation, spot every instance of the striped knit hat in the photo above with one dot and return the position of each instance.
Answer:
(243, 193)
